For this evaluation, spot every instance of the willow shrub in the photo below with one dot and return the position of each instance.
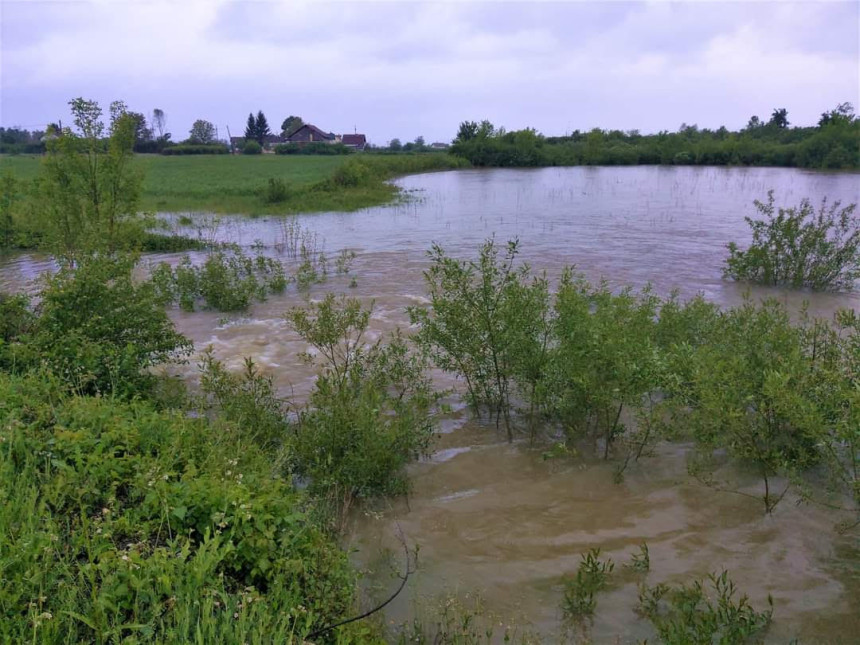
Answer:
(604, 357)
(752, 389)
(799, 246)
(120, 523)
(487, 322)
(369, 413)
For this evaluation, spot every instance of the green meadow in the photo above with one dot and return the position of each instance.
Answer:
(240, 184)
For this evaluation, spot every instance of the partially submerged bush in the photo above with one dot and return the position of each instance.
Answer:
(369, 413)
(226, 281)
(579, 592)
(703, 612)
(799, 247)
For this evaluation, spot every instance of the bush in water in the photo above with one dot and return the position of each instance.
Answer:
(799, 247)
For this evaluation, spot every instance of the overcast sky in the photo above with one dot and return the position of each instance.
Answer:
(403, 69)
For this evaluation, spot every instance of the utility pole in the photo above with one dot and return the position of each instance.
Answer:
(231, 139)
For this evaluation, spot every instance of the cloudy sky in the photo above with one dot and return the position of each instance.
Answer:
(403, 69)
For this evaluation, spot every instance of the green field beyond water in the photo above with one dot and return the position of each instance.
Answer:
(238, 184)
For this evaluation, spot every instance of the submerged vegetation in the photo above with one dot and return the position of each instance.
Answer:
(624, 370)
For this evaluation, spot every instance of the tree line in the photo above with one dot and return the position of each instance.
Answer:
(833, 143)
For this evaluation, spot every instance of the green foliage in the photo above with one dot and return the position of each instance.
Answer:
(461, 620)
(249, 401)
(579, 591)
(88, 186)
(226, 281)
(369, 413)
(276, 191)
(16, 321)
(703, 612)
(834, 144)
(800, 247)
(119, 523)
(641, 562)
(252, 148)
(196, 149)
(312, 148)
(202, 133)
(751, 395)
(477, 322)
(604, 357)
(100, 331)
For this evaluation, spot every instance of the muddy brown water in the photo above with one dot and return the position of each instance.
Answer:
(499, 519)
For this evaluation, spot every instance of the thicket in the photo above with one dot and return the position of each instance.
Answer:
(799, 247)
(312, 148)
(833, 144)
(622, 369)
(197, 149)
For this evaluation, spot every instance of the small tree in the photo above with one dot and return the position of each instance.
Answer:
(87, 183)
(290, 124)
(779, 119)
(202, 132)
(159, 121)
(750, 394)
(395, 145)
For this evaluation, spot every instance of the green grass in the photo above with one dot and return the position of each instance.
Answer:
(236, 183)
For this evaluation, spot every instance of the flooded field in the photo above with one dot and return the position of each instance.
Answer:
(501, 519)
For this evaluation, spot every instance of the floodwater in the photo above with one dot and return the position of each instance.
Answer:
(499, 519)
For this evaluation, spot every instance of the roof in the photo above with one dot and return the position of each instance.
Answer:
(354, 140)
(312, 128)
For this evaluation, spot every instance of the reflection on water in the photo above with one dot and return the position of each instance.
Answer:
(499, 518)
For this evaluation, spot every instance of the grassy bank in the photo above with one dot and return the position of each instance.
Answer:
(239, 184)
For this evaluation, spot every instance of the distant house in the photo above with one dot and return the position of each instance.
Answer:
(308, 133)
(354, 141)
(271, 140)
(439, 146)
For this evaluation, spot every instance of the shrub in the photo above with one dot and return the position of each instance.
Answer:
(604, 358)
(702, 612)
(369, 413)
(472, 323)
(100, 331)
(276, 191)
(227, 281)
(750, 394)
(312, 148)
(799, 247)
(251, 147)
